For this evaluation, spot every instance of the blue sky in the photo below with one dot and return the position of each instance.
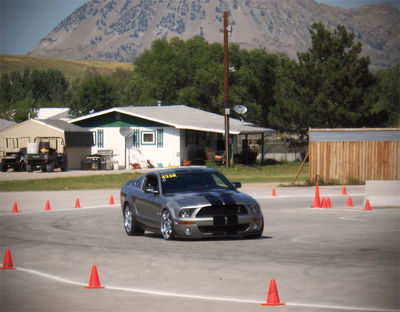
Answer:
(24, 22)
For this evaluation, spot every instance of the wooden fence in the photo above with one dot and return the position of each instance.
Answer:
(349, 162)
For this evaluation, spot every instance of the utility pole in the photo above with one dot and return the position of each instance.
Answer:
(226, 88)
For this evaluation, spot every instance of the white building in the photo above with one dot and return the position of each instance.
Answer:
(164, 135)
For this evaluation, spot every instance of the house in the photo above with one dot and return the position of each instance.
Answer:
(164, 135)
(73, 140)
(350, 156)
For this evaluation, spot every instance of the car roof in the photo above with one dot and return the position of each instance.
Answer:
(182, 170)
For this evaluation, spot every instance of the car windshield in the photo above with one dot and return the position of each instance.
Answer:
(193, 182)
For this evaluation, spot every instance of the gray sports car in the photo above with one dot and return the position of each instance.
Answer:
(189, 203)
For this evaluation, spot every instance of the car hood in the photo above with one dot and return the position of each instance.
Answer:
(197, 199)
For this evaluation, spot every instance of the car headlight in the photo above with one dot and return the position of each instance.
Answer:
(254, 208)
(185, 213)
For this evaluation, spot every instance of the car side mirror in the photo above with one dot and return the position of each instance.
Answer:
(152, 190)
(237, 184)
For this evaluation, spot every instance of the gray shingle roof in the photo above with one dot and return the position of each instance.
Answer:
(6, 123)
(185, 117)
(62, 125)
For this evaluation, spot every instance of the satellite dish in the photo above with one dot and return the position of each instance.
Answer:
(126, 132)
(240, 109)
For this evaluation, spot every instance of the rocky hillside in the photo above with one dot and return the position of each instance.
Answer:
(120, 30)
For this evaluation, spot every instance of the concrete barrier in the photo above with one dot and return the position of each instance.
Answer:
(383, 193)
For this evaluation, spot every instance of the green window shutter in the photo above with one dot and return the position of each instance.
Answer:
(100, 138)
(160, 137)
(136, 138)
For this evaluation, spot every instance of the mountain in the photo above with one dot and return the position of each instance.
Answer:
(120, 30)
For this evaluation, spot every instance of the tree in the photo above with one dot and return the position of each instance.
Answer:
(327, 87)
(384, 98)
(120, 82)
(94, 94)
(253, 82)
(191, 72)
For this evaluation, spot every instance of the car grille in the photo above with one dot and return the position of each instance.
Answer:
(222, 210)
(224, 230)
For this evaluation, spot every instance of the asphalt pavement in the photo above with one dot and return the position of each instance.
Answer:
(333, 259)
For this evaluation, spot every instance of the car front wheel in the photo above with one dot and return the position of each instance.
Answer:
(130, 225)
(167, 225)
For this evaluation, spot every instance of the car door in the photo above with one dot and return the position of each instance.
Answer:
(149, 204)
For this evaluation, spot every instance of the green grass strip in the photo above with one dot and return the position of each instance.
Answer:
(279, 173)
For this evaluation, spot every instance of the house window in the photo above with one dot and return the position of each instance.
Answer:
(100, 138)
(148, 138)
(160, 137)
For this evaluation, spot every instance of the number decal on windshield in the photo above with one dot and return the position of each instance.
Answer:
(168, 176)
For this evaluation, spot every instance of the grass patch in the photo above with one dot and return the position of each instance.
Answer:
(72, 69)
(94, 182)
(279, 173)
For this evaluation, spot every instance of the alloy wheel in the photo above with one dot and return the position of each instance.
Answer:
(167, 229)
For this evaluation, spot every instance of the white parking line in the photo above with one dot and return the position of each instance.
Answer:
(197, 297)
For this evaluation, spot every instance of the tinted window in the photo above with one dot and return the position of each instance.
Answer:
(193, 181)
(151, 181)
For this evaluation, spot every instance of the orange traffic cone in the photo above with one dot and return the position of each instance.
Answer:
(344, 191)
(15, 208)
(274, 192)
(328, 203)
(323, 203)
(7, 264)
(111, 201)
(94, 279)
(77, 203)
(350, 202)
(273, 296)
(47, 207)
(317, 201)
(367, 206)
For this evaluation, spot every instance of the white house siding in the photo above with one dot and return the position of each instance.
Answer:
(112, 139)
(167, 155)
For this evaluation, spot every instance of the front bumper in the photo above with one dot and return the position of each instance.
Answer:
(218, 226)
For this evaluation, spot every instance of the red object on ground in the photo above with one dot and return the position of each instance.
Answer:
(135, 165)
(47, 207)
(328, 203)
(273, 296)
(317, 200)
(111, 201)
(350, 202)
(367, 206)
(7, 264)
(94, 281)
(77, 203)
(274, 192)
(323, 203)
(344, 191)
(15, 208)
